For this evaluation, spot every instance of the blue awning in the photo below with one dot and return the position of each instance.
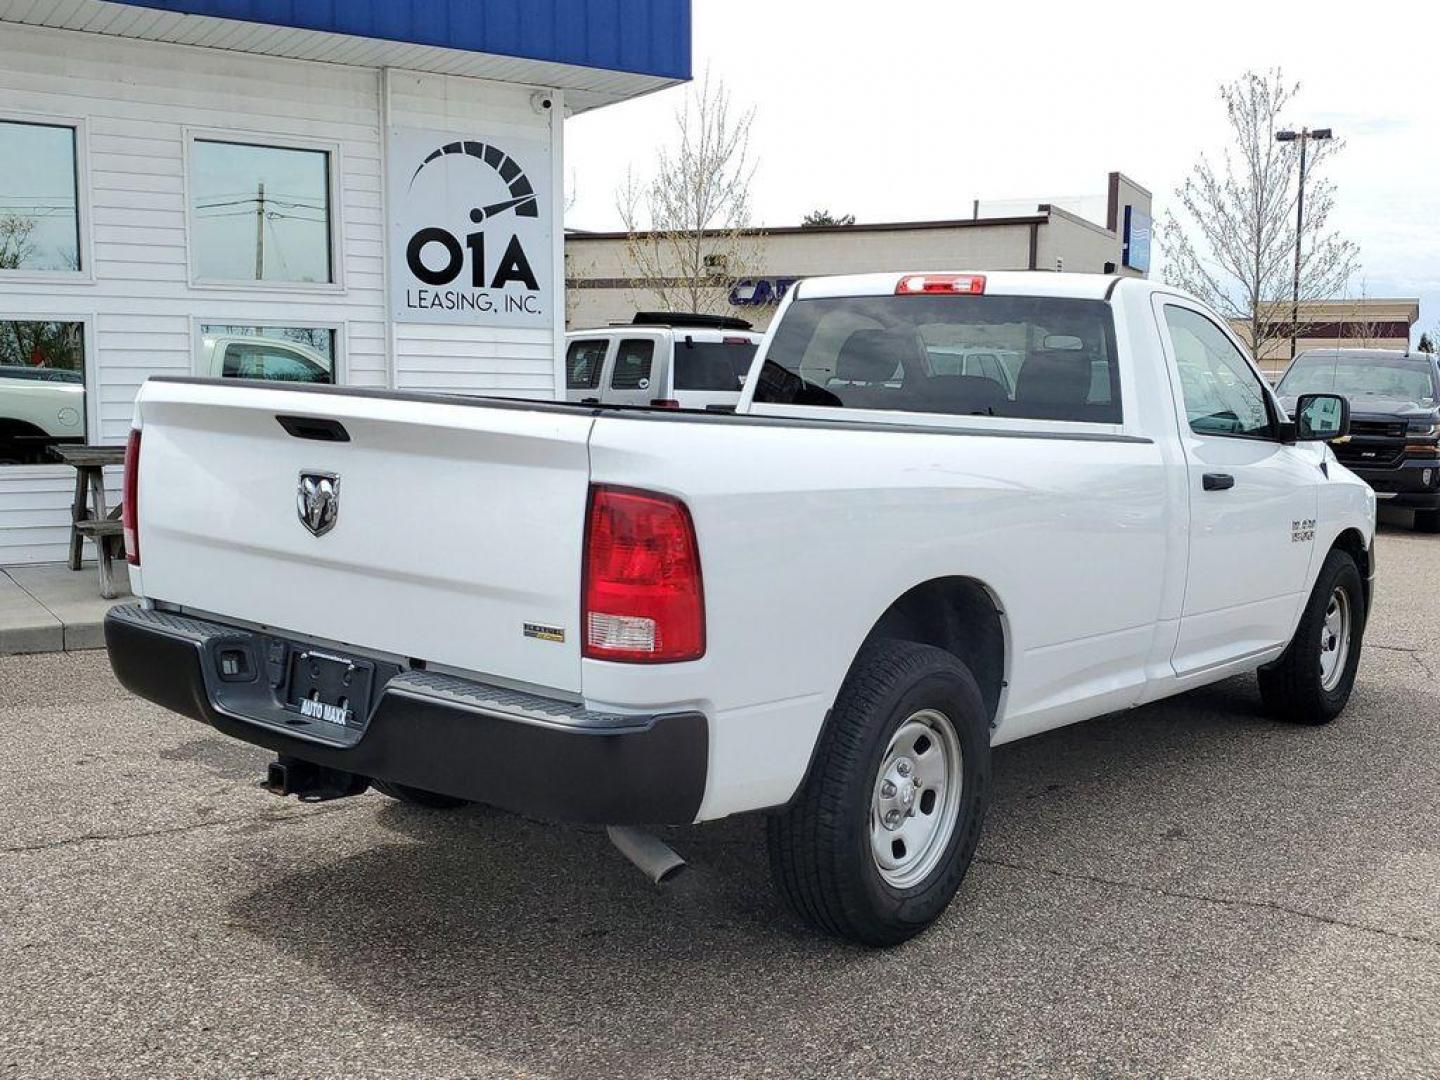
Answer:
(643, 37)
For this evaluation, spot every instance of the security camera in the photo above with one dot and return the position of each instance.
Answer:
(541, 102)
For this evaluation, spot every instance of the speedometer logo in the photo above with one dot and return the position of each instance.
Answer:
(522, 196)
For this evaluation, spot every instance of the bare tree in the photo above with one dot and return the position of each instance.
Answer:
(1363, 328)
(689, 239)
(15, 243)
(1232, 241)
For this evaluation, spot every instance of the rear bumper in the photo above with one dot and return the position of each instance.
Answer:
(521, 752)
(1405, 484)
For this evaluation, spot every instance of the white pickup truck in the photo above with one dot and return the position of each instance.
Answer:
(827, 607)
(40, 407)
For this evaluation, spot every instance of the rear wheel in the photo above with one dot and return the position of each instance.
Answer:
(1312, 680)
(413, 796)
(1427, 521)
(881, 834)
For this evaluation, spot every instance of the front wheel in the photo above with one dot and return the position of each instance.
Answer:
(881, 833)
(1427, 521)
(1312, 680)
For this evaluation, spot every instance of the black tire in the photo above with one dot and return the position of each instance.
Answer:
(1291, 687)
(1427, 521)
(820, 852)
(413, 796)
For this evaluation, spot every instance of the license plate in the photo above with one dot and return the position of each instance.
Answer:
(329, 688)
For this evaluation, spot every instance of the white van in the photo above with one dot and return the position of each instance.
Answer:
(661, 359)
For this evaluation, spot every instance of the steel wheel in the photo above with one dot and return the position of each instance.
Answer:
(916, 799)
(1334, 639)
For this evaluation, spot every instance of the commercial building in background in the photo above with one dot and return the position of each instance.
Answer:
(365, 192)
(1337, 324)
(1113, 238)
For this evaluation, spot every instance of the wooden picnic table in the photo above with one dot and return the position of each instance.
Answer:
(89, 515)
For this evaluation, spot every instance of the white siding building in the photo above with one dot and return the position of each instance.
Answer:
(185, 193)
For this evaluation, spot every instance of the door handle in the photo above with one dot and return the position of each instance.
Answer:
(1218, 481)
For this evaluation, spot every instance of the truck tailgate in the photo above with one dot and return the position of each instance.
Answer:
(459, 522)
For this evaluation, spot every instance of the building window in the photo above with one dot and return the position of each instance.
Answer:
(260, 213)
(39, 203)
(42, 389)
(275, 353)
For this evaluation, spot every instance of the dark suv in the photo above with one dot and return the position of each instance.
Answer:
(1394, 420)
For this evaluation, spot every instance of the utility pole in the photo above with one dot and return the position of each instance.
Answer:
(260, 233)
(1303, 137)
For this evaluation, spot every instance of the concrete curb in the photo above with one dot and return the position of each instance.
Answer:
(48, 608)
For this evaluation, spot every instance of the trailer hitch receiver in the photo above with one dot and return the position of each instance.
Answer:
(310, 782)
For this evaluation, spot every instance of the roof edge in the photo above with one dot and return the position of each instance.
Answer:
(792, 230)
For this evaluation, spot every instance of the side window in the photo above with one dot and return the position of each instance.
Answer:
(274, 362)
(278, 353)
(1223, 396)
(632, 365)
(583, 361)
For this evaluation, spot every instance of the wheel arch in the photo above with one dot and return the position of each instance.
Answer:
(14, 428)
(961, 615)
(1352, 541)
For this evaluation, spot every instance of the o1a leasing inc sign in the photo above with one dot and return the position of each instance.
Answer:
(470, 229)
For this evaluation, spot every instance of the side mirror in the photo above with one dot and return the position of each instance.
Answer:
(1321, 417)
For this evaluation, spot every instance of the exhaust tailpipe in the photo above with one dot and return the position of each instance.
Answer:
(655, 859)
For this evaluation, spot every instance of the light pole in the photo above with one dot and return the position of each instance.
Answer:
(1303, 137)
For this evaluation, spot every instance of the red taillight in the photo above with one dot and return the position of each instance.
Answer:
(915, 284)
(664, 403)
(643, 599)
(130, 499)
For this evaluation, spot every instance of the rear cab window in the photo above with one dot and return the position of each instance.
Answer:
(1025, 357)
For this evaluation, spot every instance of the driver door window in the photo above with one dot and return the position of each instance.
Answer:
(1223, 395)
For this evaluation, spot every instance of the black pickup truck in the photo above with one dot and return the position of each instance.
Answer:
(1394, 420)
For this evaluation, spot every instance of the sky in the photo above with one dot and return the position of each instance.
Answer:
(909, 111)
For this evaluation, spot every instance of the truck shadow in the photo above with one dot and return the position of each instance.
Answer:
(540, 946)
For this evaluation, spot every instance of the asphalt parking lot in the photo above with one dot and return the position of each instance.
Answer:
(1187, 889)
